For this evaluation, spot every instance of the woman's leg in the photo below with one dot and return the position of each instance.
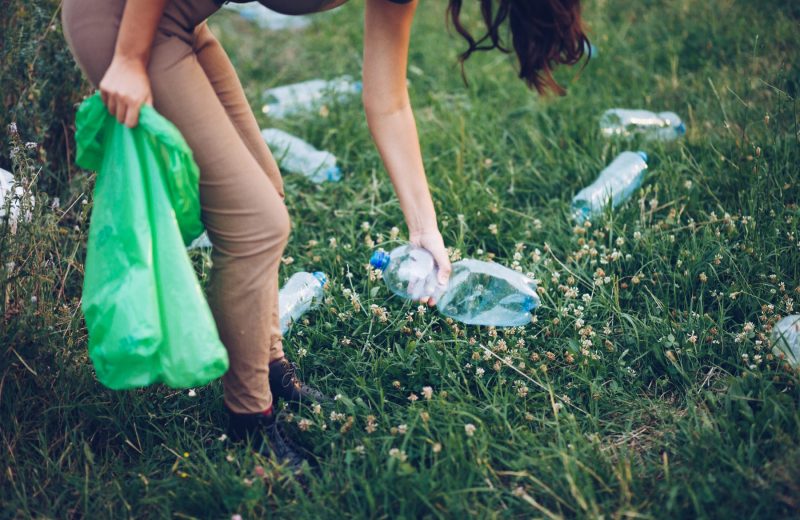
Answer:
(245, 217)
(241, 208)
(214, 61)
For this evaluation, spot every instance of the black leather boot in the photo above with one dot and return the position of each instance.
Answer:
(266, 434)
(283, 383)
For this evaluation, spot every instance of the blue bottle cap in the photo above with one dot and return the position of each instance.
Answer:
(529, 304)
(333, 174)
(581, 214)
(681, 129)
(358, 86)
(379, 260)
(643, 155)
(321, 278)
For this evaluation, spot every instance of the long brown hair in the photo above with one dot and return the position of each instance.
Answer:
(545, 33)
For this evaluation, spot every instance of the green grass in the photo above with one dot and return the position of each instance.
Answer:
(675, 409)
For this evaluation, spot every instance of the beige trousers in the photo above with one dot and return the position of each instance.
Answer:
(241, 191)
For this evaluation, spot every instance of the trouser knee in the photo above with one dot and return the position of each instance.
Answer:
(275, 233)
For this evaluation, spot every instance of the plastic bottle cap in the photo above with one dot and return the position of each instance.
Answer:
(581, 213)
(681, 129)
(333, 174)
(529, 304)
(358, 86)
(380, 260)
(321, 278)
(643, 155)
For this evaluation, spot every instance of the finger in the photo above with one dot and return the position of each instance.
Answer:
(444, 271)
(149, 99)
(122, 110)
(132, 117)
(111, 105)
(104, 98)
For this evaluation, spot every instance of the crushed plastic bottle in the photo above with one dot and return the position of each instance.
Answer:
(289, 99)
(478, 293)
(298, 156)
(12, 194)
(786, 339)
(301, 293)
(201, 242)
(616, 183)
(267, 18)
(664, 126)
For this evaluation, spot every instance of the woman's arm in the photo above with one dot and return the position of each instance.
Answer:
(387, 30)
(125, 85)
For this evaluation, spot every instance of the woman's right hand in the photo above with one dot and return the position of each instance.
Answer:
(432, 242)
(125, 87)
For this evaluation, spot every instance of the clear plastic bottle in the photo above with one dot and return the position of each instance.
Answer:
(298, 156)
(616, 183)
(302, 292)
(786, 339)
(288, 99)
(478, 293)
(267, 18)
(664, 126)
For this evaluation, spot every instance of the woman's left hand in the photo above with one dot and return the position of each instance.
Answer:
(433, 242)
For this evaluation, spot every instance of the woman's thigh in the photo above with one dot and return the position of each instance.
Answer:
(226, 84)
(90, 28)
(242, 209)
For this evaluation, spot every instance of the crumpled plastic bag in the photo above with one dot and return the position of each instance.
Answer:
(10, 189)
(147, 317)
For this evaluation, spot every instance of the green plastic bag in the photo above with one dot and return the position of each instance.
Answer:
(147, 318)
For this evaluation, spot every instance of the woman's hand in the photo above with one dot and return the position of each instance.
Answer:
(125, 87)
(432, 241)
(387, 31)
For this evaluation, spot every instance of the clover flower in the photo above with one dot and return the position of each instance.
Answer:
(371, 425)
(398, 454)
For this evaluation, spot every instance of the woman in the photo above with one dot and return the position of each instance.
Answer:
(162, 52)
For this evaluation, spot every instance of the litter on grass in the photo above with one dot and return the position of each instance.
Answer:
(267, 18)
(11, 197)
